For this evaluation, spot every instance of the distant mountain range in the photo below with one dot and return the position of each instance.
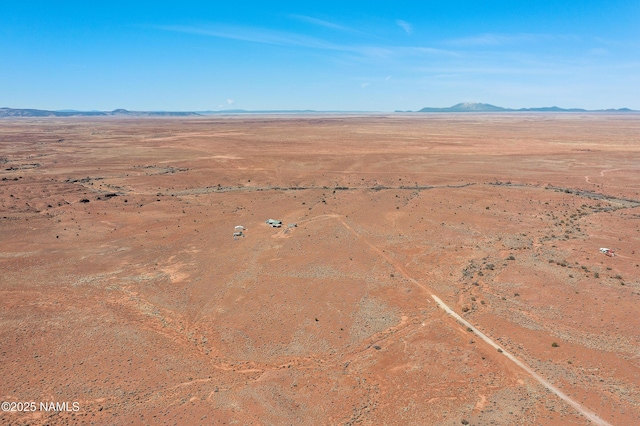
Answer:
(480, 107)
(18, 112)
(21, 112)
(461, 107)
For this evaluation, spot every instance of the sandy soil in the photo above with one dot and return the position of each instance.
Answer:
(122, 288)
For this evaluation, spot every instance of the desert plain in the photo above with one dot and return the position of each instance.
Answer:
(122, 288)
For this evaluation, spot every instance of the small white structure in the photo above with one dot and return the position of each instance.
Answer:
(607, 251)
(240, 228)
(274, 223)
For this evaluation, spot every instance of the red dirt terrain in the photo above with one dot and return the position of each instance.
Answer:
(445, 269)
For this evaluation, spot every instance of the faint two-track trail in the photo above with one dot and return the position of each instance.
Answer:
(577, 406)
(602, 172)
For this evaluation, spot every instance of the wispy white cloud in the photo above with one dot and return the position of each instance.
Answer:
(326, 24)
(255, 35)
(425, 51)
(506, 39)
(407, 27)
(456, 71)
(230, 101)
(369, 81)
(569, 67)
(492, 39)
(282, 38)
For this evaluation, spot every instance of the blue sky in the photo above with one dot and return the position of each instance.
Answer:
(329, 55)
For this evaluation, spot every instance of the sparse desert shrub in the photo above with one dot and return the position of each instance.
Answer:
(555, 345)
(511, 258)
(618, 277)
(465, 309)
(499, 350)
(596, 275)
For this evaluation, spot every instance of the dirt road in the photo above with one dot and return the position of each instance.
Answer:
(588, 414)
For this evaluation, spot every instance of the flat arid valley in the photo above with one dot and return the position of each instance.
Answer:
(427, 269)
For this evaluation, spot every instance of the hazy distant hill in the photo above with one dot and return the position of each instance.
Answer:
(466, 107)
(480, 107)
(18, 112)
(15, 112)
